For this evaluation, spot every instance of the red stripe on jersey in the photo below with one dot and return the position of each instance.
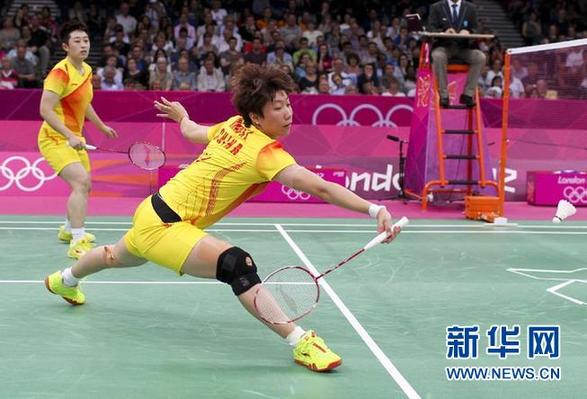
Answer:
(215, 186)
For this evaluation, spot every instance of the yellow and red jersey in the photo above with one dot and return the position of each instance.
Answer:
(75, 94)
(236, 164)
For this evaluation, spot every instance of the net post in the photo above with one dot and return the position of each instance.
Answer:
(504, 125)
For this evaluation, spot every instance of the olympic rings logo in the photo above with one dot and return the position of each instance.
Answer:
(293, 194)
(575, 195)
(16, 176)
(349, 120)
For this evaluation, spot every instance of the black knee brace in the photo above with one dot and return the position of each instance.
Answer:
(236, 268)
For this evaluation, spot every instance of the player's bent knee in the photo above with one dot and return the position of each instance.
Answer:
(237, 268)
(83, 184)
(110, 258)
(87, 184)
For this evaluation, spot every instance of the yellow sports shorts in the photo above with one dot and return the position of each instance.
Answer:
(166, 244)
(58, 153)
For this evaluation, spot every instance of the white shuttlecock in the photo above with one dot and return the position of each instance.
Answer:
(563, 211)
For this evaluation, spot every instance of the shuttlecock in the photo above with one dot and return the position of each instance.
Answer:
(563, 211)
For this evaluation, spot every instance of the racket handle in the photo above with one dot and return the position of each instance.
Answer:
(90, 147)
(381, 237)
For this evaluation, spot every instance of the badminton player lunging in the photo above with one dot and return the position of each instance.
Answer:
(65, 103)
(241, 157)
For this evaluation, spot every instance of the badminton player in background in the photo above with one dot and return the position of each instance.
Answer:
(241, 157)
(65, 103)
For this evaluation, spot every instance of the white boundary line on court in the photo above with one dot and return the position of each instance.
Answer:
(554, 289)
(526, 273)
(131, 282)
(408, 230)
(383, 359)
(412, 225)
(84, 282)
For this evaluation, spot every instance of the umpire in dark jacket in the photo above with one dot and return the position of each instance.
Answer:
(455, 16)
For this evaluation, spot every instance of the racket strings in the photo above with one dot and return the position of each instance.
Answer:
(286, 295)
(146, 156)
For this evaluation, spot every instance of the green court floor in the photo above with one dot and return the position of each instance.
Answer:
(147, 333)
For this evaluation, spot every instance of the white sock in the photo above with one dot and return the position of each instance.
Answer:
(68, 278)
(295, 336)
(67, 226)
(78, 233)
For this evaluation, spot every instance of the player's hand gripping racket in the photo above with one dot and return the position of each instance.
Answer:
(292, 292)
(143, 155)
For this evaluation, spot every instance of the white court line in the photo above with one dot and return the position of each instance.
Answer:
(121, 282)
(383, 359)
(408, 230)
(412, 225)
(554, 290)
(55, 222)
(545, 226)
(555, 272)
(521, 271)
(126, 229)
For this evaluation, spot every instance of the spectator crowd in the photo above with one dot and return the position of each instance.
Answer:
(334, 47)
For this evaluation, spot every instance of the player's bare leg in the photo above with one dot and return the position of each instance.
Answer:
(203, 262)
(77, 203)
(80, 183)
(105, 257)
(65, 283)
(212, 256)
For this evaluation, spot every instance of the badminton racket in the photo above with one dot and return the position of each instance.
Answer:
(143, 155)
(292, 292)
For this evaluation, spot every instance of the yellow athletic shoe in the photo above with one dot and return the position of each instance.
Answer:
(78, 248)
(73, 295)
(312, 352)
(67, 236)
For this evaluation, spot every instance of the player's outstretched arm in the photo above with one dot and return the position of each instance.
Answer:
(302, 179)
(191, 130)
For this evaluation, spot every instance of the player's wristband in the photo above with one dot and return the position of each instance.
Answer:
(183, 119)
(374, 210)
